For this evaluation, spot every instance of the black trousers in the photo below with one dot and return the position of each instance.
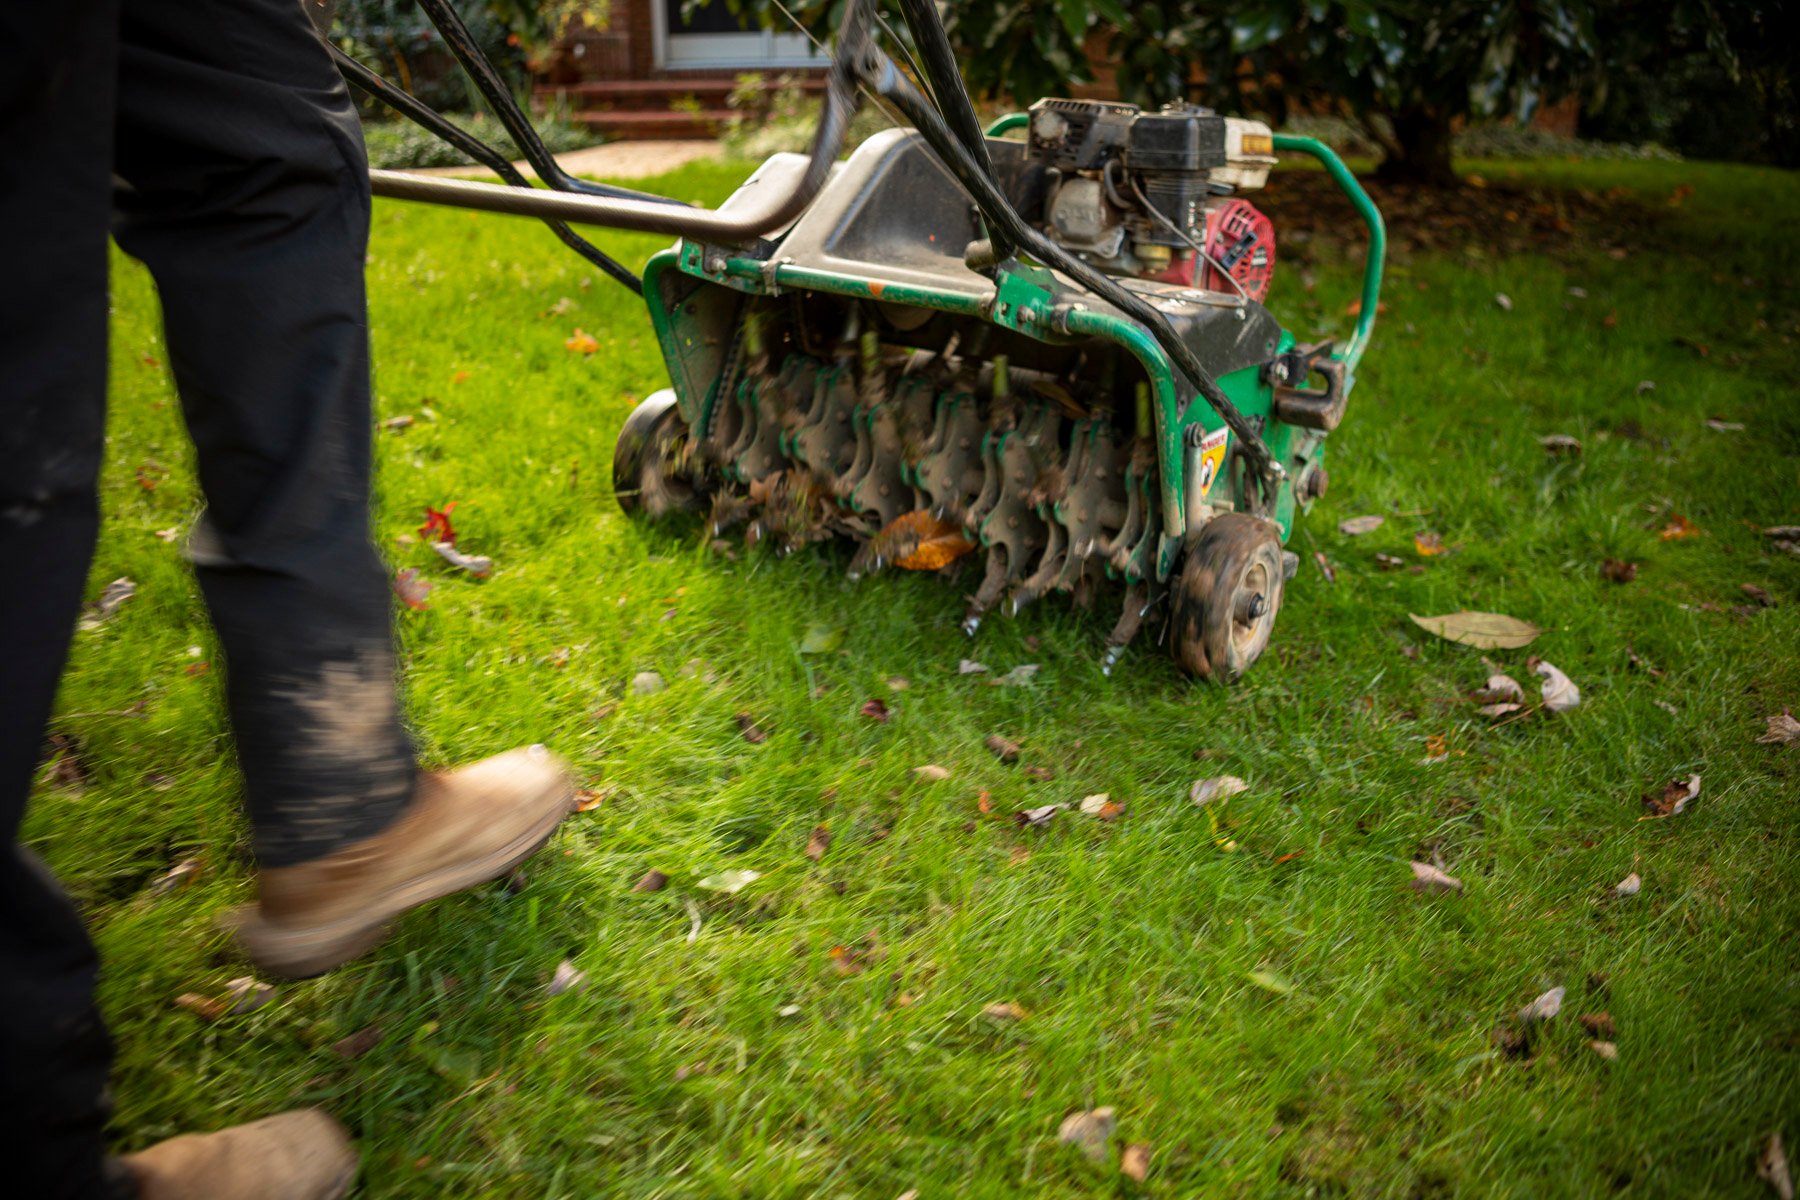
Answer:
(215, 141)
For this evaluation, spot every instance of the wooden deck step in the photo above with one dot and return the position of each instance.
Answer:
(667, 123)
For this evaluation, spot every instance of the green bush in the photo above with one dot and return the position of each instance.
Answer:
(401, 145)
(1495, 139)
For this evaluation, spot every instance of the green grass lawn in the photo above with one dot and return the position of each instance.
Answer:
(1252, 987)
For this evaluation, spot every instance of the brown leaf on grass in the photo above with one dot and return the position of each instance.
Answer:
(1674, 798)
(969, 666)
(1134, 1163)
(412, 588)
(898, 683)
(1437, 749)
(1599, 1025)
(1036, 818)
(396, 424)
(566, 979)
(581, 342)
(851, 960)
(1325, 567)
(1499, 689)
(818, 843)
(1631, 885)
(1006, 751)
(1101, 806)
(1679, 527)
(588, 799)
(1782, 533)
(984, 803)
(1430, 543)
(751, 731)
(1432, 881)
(359, 1043)
(1783, 729)
(1021, 674)
(1615, 570)
(112, 596)
(204, 1007)
(1496, 711)
(1041, 774)
(876, 709)
(1559, 691)
(1483, 630)
(1357, 526)
(1219, 787)
(1760, 595)
(1607, 1050)
(1004, 1010)
(1389, 562)
(181, 875)
(1544, 1007)
(653, 881)
(247, 994)
(1089, 1132)
(1559, 444)
(932, 773)
(1772, 1167)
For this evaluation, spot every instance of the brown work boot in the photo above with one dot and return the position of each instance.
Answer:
(462, 828)
(299, 1155)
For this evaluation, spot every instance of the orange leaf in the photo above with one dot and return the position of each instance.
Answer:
(1679, 527)
(940, 542)
(1429, 543)
(582, 343)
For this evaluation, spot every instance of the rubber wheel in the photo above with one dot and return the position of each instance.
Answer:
(653, 438)
(1226, 597)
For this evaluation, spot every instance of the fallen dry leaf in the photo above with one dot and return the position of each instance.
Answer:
(1432, 881)
(1606, 1050)
(1004, 1010)
(1495, 711)
(359, 1043)
(750, 730)
(1429, 543)
(1772, 1167)
(1357, 526)
(566, 979)
(412, 588)
(818, 843)
(1615, 570)
(204, 1007)
(1758, 594)
(850, 960)
(1599, 1025)
(1088, 1131)
(932, 773)
(1629, 886)
(1390, 562)
(898, 683)
(876, 709)
(1483, 630)
(1499, 689)
(581, 342)
(588, 799)
(179, 876)
(112, 596)
(1036, 818)
(1325, 567)
(1783, 729)
(935, 542)
(969, 666)
(1559, 691)
(1102, 806)
(1022, 673)
(396, 424)
(1675, 797)
(730, 882)
(653, 881)
(437, 527)
(1006, 751)
(1721, 425)
(247, 994)
(647, 683)
(1134, 1163)
(1560, 443)
(1544, 1007)
(1504, 301)
(1679, 527)
(1437, 749)
(1041, 774)
(478, 565)
(1219, 787)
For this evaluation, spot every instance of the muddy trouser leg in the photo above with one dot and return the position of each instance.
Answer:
(56, 63)
(244, 188)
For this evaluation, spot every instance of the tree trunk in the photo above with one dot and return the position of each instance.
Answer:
(1420, 155)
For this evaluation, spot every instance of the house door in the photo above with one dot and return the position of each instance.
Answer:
(693, 35)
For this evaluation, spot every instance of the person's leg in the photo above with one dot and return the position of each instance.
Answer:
(56, 70)
(245, 191)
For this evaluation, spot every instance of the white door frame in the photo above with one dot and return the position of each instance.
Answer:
(760, 49)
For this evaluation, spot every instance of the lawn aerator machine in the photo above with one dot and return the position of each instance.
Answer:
(1051, 353)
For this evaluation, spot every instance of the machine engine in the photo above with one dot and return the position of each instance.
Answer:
(1153, 194)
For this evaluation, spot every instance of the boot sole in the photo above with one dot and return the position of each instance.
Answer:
(301, 953)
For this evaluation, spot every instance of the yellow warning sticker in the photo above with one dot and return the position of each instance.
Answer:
(1212, 459)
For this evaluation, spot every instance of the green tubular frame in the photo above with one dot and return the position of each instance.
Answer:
(1023, 301)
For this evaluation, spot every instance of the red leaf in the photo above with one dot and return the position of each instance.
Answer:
(876, 709)
(437, 526)
(412, 589)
